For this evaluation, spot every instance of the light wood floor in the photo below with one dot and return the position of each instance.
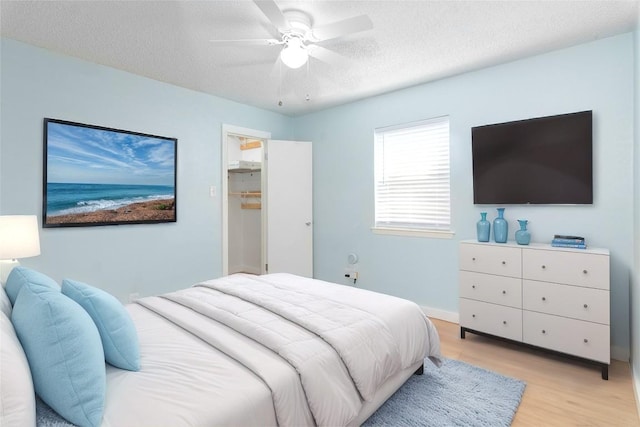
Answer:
(559, 392)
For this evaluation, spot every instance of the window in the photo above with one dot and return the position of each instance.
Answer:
(412, 191)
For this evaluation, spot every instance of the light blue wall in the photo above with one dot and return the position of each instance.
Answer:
(151, 259)
(148, 259)
(596, 76)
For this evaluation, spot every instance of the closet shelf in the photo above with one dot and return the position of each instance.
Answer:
(250, 144)
(241, 166)
(251, 205)
(246, 193)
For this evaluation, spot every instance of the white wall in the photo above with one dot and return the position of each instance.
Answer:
(635, 283)
(148, 259)
(596, 76)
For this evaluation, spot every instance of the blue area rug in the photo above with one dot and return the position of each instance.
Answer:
(457, 394)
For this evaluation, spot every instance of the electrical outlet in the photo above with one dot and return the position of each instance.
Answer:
(212, 191)
(351, 274)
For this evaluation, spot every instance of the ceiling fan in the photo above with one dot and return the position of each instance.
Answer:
(298, 37)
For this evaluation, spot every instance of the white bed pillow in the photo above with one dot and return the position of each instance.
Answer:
(5, 303)
(17, 397)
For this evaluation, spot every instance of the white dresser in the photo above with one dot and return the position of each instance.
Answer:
(551, 298)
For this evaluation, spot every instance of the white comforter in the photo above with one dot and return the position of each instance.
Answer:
(343, 342)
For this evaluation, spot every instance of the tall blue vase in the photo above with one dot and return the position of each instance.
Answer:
(500, 227)
(484, 228)
(523, 237)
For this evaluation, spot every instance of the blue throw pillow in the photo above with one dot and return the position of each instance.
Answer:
(19, 276)
(64, 351)
(117, 331)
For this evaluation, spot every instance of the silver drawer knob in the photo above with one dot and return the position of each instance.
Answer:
(586, 340)
(473, 259)
(473, 315)
(544, 298)
(584, 271)
(544, 266)
(504, 292)
(586, 306)
(473, 286)
(504, 262)
(544, 332)
(504, 322)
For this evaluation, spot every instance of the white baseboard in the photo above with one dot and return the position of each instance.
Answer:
(635, 380)
(244, 269)
(617, 353)
(447, 316)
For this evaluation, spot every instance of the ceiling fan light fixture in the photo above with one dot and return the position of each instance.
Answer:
(294, 55)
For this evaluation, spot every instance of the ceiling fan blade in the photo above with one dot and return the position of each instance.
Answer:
(341, 28)
(273, 12)
(247, 42)
(330, 57)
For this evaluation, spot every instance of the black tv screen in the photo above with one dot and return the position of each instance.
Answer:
(545, 160)
(95, 175)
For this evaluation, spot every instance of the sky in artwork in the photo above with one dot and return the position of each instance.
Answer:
(78, 154)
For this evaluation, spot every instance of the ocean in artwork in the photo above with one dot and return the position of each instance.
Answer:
(71, 198)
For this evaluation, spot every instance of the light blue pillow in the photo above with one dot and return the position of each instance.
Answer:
(117, 331)
(19, 276)
(64, 351)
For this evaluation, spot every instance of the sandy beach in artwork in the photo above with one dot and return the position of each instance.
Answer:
(156, 210)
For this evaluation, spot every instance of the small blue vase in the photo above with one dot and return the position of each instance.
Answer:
(500, 227)
(523, 237)
(484, 228)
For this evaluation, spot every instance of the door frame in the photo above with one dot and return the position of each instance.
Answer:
(224, 202)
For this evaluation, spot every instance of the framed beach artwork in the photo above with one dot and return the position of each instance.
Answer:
(95, 175)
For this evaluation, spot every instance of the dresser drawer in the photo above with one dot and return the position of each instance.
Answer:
(488, 288)
(565, 300)
(576, 337)
(490, 259)
(490, 318)
(572, 268)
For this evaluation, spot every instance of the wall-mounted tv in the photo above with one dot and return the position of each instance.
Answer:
(545, 160)
(95, 175)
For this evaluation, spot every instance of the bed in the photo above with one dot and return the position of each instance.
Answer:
(266, 350)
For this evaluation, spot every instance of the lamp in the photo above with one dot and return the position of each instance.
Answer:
(294, 54)
(18, 239)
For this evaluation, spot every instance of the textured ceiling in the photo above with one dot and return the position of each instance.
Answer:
(412, 42)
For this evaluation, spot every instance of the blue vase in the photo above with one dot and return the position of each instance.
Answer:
(500, 227)
(484, 228)
(523, 237)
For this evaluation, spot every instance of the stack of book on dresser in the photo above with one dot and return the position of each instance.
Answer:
(561, 241)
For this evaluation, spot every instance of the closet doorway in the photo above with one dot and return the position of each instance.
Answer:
(267, 224)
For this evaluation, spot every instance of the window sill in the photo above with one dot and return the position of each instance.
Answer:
(436, 234)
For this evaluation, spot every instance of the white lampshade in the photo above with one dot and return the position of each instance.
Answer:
(294, 54)
(19, 236)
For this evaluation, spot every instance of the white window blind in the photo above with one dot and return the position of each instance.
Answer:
(412, 188)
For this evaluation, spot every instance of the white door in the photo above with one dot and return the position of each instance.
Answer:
(289, 207)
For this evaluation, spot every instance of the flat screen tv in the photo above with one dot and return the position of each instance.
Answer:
(95, 175)
(545, 160)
